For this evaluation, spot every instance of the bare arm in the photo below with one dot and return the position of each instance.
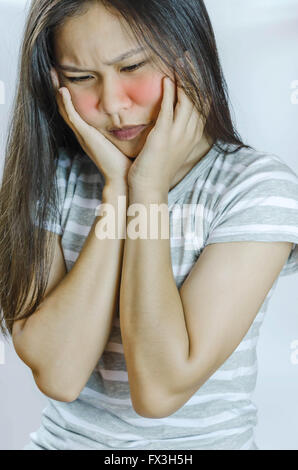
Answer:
(174, 340)
(66, 336)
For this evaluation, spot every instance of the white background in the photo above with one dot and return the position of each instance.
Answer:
(258, 44)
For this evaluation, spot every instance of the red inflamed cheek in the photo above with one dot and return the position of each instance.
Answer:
(144, 91)
(85, 103)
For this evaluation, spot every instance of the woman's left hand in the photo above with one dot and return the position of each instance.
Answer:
(175, 134)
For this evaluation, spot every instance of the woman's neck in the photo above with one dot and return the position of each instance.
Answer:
(199, 152)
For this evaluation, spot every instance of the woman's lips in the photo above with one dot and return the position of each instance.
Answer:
(128, 134)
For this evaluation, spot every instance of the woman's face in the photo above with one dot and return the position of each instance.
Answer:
(106, 94)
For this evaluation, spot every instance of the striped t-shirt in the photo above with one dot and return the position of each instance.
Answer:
(246, 195)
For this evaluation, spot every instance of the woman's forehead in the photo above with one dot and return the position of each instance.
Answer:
(95, 35)
(97, 25)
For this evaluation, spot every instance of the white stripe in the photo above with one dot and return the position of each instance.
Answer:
(34, 436)
(122, 376)
(283, 202)
(61, 182)
(198, 399)
(100, 397)
(223, 164)
(92, 427)
(182, 270)
(179, 242)
(210, 436)
(251, 181)
(197, 422)
(67, 204)
(51, 227)
(211, 188)
(72, 178)
(248, 344)
(207, 437)
(260, 228)
(184, 240)
(89, 203)
(90, 178)
(264, 158)
(112, 375)
(234, 373)
(70, 255)
(245, 345)
(273, 201)
(78, 229)
(193, 401)
(65, 161)
(126, 436)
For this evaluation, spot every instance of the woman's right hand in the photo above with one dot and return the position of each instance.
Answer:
(109, 160)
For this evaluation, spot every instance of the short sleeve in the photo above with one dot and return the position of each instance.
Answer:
(54, 221)
(260, 204)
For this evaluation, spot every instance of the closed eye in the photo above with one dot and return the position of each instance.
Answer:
(132, 68)
(78, 79)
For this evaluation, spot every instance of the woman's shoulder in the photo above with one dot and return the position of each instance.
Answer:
(246, 166)
(255, 161)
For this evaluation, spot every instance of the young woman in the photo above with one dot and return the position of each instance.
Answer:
(142, 342)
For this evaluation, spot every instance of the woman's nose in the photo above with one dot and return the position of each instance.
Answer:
(113, 96)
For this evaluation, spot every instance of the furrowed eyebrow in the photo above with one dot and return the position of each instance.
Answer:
(72, 68)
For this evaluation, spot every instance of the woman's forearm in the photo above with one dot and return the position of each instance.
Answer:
(66, 336)
(153, 328)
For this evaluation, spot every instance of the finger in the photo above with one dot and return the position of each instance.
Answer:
(184, 108)
(195, 123)
(59, 99)
(65, 109)
(62, 111)
(55, 79)
(82, 130)
(56, 86)
(165, 117)
(73, 116)
(184, 103)
(63, 114)
(204, 99)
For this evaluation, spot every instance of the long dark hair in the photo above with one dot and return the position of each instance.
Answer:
(37, 131)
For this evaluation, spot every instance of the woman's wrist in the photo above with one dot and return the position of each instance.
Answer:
(115, 188)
